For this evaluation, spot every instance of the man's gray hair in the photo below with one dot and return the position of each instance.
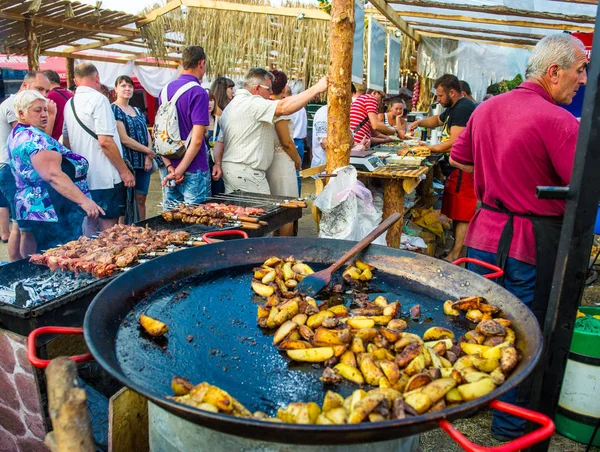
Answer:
(257, 76)
(552, 49)
(25, 99)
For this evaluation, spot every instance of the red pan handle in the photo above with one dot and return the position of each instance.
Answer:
(498, 272)
(206, 237)
(43, 363)
(523, 442)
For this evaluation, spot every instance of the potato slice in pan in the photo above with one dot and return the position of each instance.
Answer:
(311, 355)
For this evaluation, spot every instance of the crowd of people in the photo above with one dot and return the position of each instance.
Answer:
(73, 162)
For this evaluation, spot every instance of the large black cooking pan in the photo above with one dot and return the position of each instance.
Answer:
(213, 335)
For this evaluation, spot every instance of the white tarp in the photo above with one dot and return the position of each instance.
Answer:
(152, 78)
(483, 64)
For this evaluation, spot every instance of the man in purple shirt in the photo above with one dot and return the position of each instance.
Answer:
(513, 143)
(191, 173)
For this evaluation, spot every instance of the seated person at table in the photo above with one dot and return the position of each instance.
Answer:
(52, 195)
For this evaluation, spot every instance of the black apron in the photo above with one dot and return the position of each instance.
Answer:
(546, 230)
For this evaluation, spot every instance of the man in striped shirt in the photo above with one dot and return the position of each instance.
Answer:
(245, 146)
(364, 117)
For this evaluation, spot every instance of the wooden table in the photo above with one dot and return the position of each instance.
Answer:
(397, 183)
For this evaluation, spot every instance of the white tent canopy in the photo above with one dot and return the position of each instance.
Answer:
(494, 35)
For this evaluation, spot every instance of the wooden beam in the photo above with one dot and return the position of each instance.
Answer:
(478, 41)
(428, 26)
(95, 45)
(479, 38)
(70, 72)
(508, 23)
(391, 15)
(308, 13)
(33, 46)
(173, 64)
(498, 10)
(121, 31)
(154, 14)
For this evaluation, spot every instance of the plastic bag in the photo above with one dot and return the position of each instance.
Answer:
(348, 211)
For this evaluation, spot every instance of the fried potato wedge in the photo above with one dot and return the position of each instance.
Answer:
(181, 386)
(366, 334)
(476, 389)
(294, 345)
(332, 400)
(449, 309)
(467, 303)
(390, 335)
(415, 366)
(349, 358)
(359, 323)
(417, 381)
(380, 301)
(435, 333)
(272, 261)
(366, 275)
(437, 389)
(495, 352)
(364, 407)
(269, 277)
(392, 309)
(370, 371)
(473, 349)
(262, 289)
(504, 322)
(397, 325)
(418, 401)
(508, 359)
(350, 373)
(315, 320)
(390, 370)
(283, 331)
(485, 364)
(352, 272)
(362, 266)
(491, 328)
(474, 315)
(410, 352)
(453, 396)
(337, 416)
(434, 344)
(339, 310)
(357, 345)
(474, 337)
(311, 355)
(287, 271)
(152, 326)
(325, 337)
(219, 398)
(302, 269)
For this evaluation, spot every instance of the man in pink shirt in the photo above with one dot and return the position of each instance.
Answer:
(513, 143)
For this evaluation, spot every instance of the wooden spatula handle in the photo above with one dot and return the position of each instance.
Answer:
(384, 226)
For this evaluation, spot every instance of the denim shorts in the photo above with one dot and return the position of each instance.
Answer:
(142, 180)
(194, 189)
(111, 200)
(8, 188)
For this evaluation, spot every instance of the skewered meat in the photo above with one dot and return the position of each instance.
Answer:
(114, 248)
(212, 214)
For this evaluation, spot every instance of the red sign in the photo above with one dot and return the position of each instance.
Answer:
(587, 39)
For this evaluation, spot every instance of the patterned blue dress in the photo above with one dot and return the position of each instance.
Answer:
(136, 129)
(33, 200)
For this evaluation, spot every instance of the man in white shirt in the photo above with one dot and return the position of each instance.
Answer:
(246, 143)
(37, 81)
(90, 130)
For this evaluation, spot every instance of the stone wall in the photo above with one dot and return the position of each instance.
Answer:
(21, 413)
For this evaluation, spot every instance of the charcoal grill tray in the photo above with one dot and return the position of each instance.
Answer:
(68, 309)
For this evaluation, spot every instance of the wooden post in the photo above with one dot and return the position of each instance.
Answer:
(67, 406)
(70, 72)
(393, 201)
(33, 46)
(339, 139)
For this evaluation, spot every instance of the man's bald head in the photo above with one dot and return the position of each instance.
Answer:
(86, 74)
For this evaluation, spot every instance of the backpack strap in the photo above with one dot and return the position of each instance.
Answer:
(182, 90)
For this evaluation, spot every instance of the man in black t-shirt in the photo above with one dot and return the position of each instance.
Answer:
(459, 202)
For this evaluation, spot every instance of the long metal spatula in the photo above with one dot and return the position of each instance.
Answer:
(313, 284)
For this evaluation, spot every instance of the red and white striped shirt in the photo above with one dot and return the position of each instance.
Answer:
(360, 109)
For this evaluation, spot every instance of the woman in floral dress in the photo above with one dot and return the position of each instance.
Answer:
(52, 195)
